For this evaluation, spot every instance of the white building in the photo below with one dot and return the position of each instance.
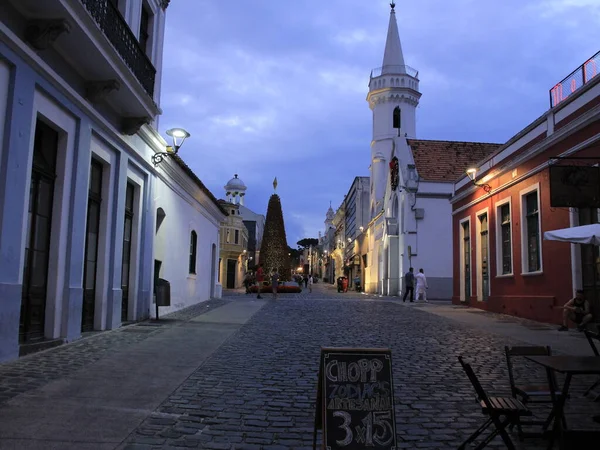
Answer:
(411, 182)
(235, 192)
(87, 222)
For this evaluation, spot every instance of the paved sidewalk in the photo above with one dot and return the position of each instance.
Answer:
(92, 393)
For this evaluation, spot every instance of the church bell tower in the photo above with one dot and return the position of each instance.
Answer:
(393, 97)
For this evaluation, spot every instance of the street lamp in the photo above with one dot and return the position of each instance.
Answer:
(471, 173)
(178, 135)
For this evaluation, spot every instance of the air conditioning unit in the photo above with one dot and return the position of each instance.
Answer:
(419, 213)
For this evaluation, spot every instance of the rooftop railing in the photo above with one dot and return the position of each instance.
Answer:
(575, 80)
(395, 70)
(116, 29)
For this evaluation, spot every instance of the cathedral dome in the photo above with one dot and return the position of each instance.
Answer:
(235, 184)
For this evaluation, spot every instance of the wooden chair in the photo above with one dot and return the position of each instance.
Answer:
(501, 411)
(591, 337)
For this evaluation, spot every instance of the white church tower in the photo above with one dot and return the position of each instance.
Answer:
(393, 97)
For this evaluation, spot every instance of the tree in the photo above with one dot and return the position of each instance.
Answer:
(274, 248)
(295, 255)
(307, 242)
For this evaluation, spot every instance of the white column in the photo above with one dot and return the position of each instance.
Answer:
(15, 175)
(115, 293)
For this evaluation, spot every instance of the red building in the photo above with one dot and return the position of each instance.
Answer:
(501, 210)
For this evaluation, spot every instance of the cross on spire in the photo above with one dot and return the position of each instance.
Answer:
(393, 5)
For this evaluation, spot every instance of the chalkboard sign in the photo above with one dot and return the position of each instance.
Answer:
(355, 399)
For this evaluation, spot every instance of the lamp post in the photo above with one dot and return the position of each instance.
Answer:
(472, 174)
(178, 136)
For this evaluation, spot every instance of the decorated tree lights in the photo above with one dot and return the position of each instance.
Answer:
(274, 248)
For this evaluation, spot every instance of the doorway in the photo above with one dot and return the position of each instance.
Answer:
(231, 265)
(38, 234)
(484, 250)
(126, 261)
(213, 268)
(92, 235)
(467, 259)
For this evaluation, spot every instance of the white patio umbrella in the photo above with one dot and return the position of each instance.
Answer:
(584, 234)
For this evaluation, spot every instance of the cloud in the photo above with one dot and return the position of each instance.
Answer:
(271, 88)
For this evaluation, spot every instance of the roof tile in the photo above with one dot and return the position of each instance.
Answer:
(446, 161)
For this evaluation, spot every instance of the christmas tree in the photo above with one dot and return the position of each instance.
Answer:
(274, 249)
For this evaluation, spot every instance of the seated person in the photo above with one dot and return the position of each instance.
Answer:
(578, 310)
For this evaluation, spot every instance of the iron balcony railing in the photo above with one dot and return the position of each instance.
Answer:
(575, 80)
(394, 70)
(116, 29)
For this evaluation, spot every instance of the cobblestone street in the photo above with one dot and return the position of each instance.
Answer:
(257, 389)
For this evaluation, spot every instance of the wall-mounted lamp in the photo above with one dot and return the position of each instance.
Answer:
(361, 229)
(471, 173)
(178, 135)
(349, 240)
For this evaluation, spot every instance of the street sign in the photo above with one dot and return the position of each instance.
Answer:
(355, 399)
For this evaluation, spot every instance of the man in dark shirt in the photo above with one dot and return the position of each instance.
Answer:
(578, 310)
(409, 285)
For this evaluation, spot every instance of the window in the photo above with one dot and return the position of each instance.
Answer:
(145, 29)
(236, 238)
(531, 232)
(228, 234)
(193, 245)
(504, 241)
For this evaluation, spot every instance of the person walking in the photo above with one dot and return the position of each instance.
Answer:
(274, 282)
(260, 278)
(409, 285)
(422, 287)
(310, 283)
(248, 282)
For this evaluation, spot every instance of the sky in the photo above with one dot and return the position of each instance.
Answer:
(278, 89)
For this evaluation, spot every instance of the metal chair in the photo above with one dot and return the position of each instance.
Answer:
(501, 411)
(530, 393)
(591, 337)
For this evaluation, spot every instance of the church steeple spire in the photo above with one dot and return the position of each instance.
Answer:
(393, 59)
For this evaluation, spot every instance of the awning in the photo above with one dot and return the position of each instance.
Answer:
(585, 234)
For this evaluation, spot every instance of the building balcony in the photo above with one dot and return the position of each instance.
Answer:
(89, 44)
(117, 31)
(394, 70)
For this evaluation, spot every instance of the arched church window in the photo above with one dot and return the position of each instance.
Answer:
(160, 216)
(193, 246)
(392, 80)
(397, 81)
(402, 81)
(397, 118)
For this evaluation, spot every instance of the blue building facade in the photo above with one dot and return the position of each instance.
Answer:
(79, 196)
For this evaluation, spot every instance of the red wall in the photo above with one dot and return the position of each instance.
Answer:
(537, 296)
